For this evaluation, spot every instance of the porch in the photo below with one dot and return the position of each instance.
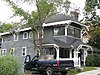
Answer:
(78, 55)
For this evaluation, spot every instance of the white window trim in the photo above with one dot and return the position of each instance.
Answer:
(2, 40)
(42, 34)
(58, 28)
(3, 52)
(13, 51)
(16, 36)
(30, 34)
(73, 36)
(25, 51)
(26, 35)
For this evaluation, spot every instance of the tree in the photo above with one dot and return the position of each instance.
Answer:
(5, 27)
(93, 21)
(35, 19)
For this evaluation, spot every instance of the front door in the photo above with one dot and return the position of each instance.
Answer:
(81, 55)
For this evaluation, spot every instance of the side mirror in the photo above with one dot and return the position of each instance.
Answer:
(27, 59)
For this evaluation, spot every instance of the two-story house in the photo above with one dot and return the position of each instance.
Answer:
(18, 44)
(59, 31)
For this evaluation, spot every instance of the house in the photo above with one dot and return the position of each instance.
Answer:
(59, 32)
(18, 44)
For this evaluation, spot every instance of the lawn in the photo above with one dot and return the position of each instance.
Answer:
(77, 70)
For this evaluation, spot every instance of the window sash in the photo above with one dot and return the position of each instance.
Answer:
(59, 31)
(24, 51)
(25, 35)
(15, 37)
(75, 32)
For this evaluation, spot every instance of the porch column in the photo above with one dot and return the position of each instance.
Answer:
(85, 55)
(70, 53)
(76, 59)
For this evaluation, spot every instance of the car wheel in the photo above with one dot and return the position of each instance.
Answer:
(63, 73)
(49, 71)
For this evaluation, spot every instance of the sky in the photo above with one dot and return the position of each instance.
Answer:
(6, 12)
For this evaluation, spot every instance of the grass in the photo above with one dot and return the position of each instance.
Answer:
(78, 70)
(89, 68)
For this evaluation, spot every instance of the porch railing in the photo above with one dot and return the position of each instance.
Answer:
(77, 62)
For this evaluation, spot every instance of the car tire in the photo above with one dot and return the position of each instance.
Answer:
(49, 71)
(63, 73)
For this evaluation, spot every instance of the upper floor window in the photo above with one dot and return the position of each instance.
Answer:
(24, 51)
(42, 34)
(25, 35)
(16, 37)
(2, 40)
(72, 31)
(30, 34)
(59, 31)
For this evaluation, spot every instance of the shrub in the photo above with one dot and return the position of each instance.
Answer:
(9, 66)
(93, 60)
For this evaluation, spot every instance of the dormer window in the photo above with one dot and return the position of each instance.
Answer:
(30, 34)
(59, 31)
(25, 35)
(73, 31)
(15, 37)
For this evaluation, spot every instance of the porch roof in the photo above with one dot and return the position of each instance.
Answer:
(57, 43)
(77, 42)
(61, 44)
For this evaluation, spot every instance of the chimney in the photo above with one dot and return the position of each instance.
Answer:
(74, 14)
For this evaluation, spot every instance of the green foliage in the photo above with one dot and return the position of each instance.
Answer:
(35, 19)
(93, 60)
(95, 37)
(90, 5)
(5, 27)
(9, 66)
(94, 22)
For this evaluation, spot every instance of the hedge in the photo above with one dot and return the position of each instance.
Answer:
(9, 66)
(93, 60)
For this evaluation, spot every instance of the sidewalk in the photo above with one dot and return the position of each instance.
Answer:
(93, 72)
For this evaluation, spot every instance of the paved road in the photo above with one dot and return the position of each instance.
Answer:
(45, 74)
(93, 72)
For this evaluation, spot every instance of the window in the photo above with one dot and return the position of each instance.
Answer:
(49, 52)
(25, 35)
(3, 52)
(59, 31)
(42, 34)
(16, 37)
(12, 51)
(30, 34)
(2, 40)
(24, 51)
(77, 33)
(72, 31)
(64, 53)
